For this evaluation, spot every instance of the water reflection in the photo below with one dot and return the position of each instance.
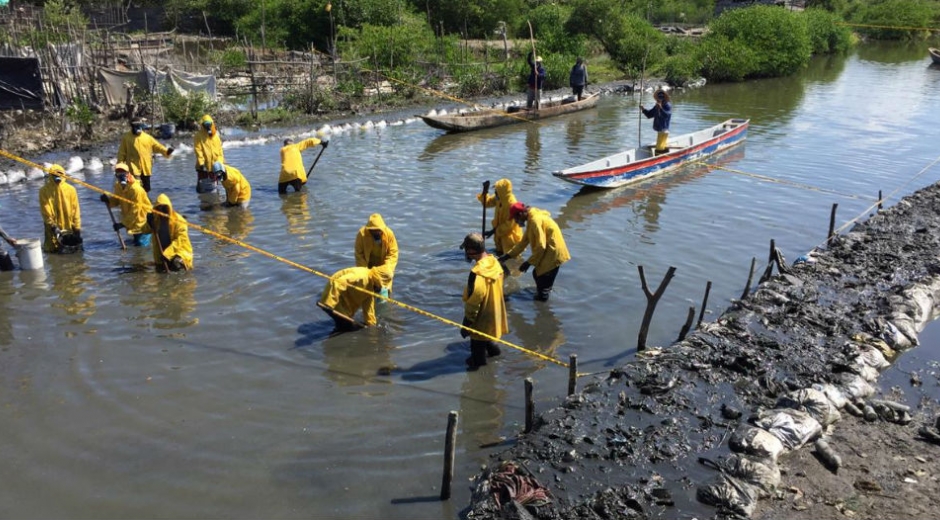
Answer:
(893, 52)
(70, 280)
(234, 223)
(575, 131)
(540, 331)
(533, 147)
(6, 309)
(164, 301)
(482, 401)
(294, 206)
(356, 359)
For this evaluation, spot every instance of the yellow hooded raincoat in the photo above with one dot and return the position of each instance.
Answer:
(207, 146)
(346, 292)
(292, 164)
(58, 204)
(133, 213)
(179, 244)
(370, 253)
(484, 305)
(237, 189)
(548, 246)
(506, 232)
(137, 151)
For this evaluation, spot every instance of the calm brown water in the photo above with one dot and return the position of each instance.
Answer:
(219, 393)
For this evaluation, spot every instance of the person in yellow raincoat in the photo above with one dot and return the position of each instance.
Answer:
(350, 290)
(293, 173)
(376, 246)
(61, 214)
(137, 149)
(207, 145)
(172, 250)
(237, 188)
(506, 232)
(548, 247)
(484, 307)
(134, 203)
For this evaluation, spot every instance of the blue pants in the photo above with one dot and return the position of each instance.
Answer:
(142, 239)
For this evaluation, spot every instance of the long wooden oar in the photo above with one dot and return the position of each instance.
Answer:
(113, 221)
(486, 190)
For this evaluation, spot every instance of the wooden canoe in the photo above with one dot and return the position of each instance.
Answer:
(469, 121)
(934, 54)
(642, 163)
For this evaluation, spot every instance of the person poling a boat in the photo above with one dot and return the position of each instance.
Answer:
(135, 209)
(293, 173)
(536, 80)
(61, 214)
(661, 114)
(484, 307)
(237, 188)
(549, 251)
(172, 250)
(578, 79)
(506, 232)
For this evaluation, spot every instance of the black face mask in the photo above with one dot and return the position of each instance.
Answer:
(122, 178)
(57, 178)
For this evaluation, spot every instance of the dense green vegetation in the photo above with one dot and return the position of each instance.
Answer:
(425, 45)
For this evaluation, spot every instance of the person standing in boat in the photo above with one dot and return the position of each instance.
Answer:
(578, 79)
(661, 114)
(548, 246)
(484, 306)
(293, 173)
(536, 80)
(506, 233)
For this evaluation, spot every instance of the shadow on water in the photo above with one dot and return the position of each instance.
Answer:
(452, 362)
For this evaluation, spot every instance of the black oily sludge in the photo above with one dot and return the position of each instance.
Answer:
(705, 420)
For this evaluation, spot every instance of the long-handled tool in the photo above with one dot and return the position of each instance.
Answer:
(535, 69)
(322, 149)
(113, 221)
(486, 190)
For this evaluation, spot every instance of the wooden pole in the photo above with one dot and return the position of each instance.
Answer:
(572, 373)
(651, 300)
(832, 223)
(529, 405)
(880, 200)
(535, 68)
(769, 271)
(750, 277)
(701, 314)
(688, 324)
(450, 443)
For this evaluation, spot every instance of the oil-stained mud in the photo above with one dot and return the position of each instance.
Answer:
(643, 441)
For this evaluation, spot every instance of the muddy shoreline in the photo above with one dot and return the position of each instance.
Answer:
(630, 444)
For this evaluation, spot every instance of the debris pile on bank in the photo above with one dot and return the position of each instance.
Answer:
(770, 375)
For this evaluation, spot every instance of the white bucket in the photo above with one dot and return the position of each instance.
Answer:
(29, 253)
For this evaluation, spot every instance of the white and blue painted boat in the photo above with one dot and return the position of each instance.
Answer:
(643, 163)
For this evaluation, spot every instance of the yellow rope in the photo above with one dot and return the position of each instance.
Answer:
(291, 263)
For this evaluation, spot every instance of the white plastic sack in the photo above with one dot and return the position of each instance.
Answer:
(794, 428)
(756, 443)
(728, 494)
(835, 396)
(854, 386)
(764, 477)
(813, 402)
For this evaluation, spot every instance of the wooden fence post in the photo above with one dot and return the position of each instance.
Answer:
(450, 443)
(529, 405)
(651, 300)
(572, 373)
